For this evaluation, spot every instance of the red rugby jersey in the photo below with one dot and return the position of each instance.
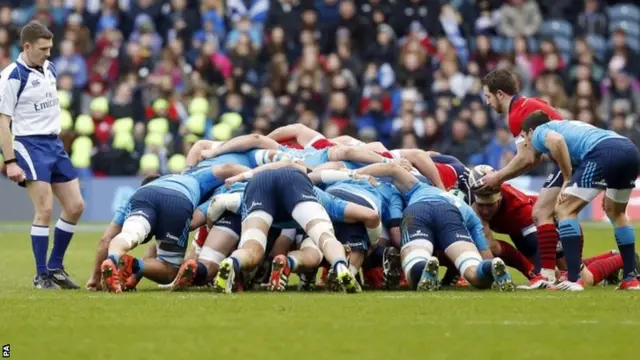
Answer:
(521, 107)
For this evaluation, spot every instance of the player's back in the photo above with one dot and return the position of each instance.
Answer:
(243, 159)
(515, 212)
(187, 185)
(522, 106)
(361, 188)
(30, 98)
(579, 136)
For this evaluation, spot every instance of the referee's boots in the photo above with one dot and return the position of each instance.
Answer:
(62, 279)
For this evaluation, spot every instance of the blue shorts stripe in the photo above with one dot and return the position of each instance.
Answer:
(24, 153)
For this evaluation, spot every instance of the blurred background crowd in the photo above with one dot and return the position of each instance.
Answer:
(141, 80)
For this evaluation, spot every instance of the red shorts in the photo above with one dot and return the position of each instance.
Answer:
(447, 175)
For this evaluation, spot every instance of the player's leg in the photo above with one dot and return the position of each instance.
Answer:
(615, 206)
(355, 213)
(601, 269)
(419, 266)
(307, 258)
(251, 249)
(68, 193)
(544, 218)
(313, 218)
(42, 199)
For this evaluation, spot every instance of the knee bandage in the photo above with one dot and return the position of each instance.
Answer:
(374, 233)
(214, 256)
(262, 215)
(223, 202)
(253, 235)
(307, 243)
(414, 257)
(319, 229)
(134, 230)
(466, 260)
(308, 211)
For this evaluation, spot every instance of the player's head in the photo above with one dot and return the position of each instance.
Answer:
(37, 41)
(488, 204)
(499, 86)
(531, 122)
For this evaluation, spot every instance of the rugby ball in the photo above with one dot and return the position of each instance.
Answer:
(476, 175)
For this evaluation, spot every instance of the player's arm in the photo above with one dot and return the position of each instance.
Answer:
(8, 100)
(249, 173)
(402, 179)
(242, 144)
(559, 152)
(195, 153)
(199, 216)
(524, 160)
(288, 132)
(392, 218)
(355, 154)
(425, 165)
(328, 176)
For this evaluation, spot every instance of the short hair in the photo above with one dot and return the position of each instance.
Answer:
(534, 120)
(34, 31)
(149, 178)
(501, 79)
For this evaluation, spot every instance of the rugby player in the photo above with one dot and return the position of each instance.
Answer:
(591, 160)
(36, 159)
(278, 195)
(501, 92)
(436, 220)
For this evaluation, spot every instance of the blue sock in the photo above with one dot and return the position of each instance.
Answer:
(626, 240)
(291, 262)
(138, 268)
(201, 275)
(415, 273)
(40, 245)
(483, 271)
(115, 259)
(338, 262)
(570, 234)
(236, 265)
(61, 238)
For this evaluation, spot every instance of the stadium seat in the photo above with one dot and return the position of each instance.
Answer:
(196, 124)
(99, 105)
(81, 151)
(632, 29)
(160, 105)
(234, 120)
(565, 45)
(622, 12)
(154, 139)
(84, 125)
(598, 44)
(221, 132)
(199, 105)
(66, 121)
(123, 125)
(64, 99)
(158, 126)
(177, 163)
(149, 163)
(497, 44)
(556, 28)
(123, 141)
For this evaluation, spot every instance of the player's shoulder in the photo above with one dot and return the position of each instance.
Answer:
(10, 72)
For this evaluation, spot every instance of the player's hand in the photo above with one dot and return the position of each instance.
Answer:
(405, 164)
(369, 178)
(230, 181)
(489, 181)
(207, 154)
(563, 195)
(15, 173)
(93, 284)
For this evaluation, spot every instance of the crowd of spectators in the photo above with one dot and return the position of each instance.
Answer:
(142, 80)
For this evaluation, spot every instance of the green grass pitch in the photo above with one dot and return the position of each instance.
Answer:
(599, 323)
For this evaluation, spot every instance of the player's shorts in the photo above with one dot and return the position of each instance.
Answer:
(277, 192)
(42, 157)
(354, 235)
(612, 164)
(527, 245)
(230, 223)
(169, 214)
(554, 179)
(320, 142)
(437, 222)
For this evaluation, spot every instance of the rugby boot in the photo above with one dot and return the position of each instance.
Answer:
(44, 281)
(374, 278)
(110, 276)
(224, 281)
(501, 275)
(391, 268)
(348, 281)
(632, 284)
(324, 276)
(62, 279)
(429, 278)
(537, 282)
(307, 281)
(185, 275)
(280, 273)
